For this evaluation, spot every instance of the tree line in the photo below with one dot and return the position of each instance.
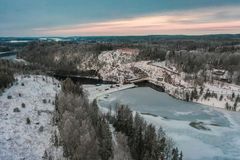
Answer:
(85, 132)
(8, 68)
(64, 57)
(190, 55)
(143, 140)
(6, 75)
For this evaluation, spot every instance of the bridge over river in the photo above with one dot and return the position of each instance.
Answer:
(157, 85)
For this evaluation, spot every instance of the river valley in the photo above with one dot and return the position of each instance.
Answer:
(197, 129)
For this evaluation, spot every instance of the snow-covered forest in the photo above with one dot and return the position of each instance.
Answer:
(45, 118)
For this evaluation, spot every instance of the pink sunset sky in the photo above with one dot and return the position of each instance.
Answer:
(212, 20)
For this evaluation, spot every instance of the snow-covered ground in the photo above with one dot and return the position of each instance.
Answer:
(22, 141)
(116, 65)
(162, 64)
(224, 89)
(94, 91)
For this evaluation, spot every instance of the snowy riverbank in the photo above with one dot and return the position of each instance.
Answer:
(121, 67)
(95, 91)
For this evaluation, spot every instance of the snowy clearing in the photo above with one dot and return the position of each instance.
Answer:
(20, 138)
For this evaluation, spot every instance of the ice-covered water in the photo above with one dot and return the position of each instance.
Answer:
(221, 142)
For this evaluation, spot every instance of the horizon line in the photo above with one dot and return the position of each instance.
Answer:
(143, 35)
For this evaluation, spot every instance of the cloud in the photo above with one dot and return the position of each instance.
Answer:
(199, 21)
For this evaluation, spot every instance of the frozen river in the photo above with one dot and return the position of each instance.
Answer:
(213, 135)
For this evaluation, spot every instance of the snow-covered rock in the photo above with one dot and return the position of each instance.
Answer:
(117, 64)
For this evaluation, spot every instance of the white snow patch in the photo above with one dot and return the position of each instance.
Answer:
(19, 140)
